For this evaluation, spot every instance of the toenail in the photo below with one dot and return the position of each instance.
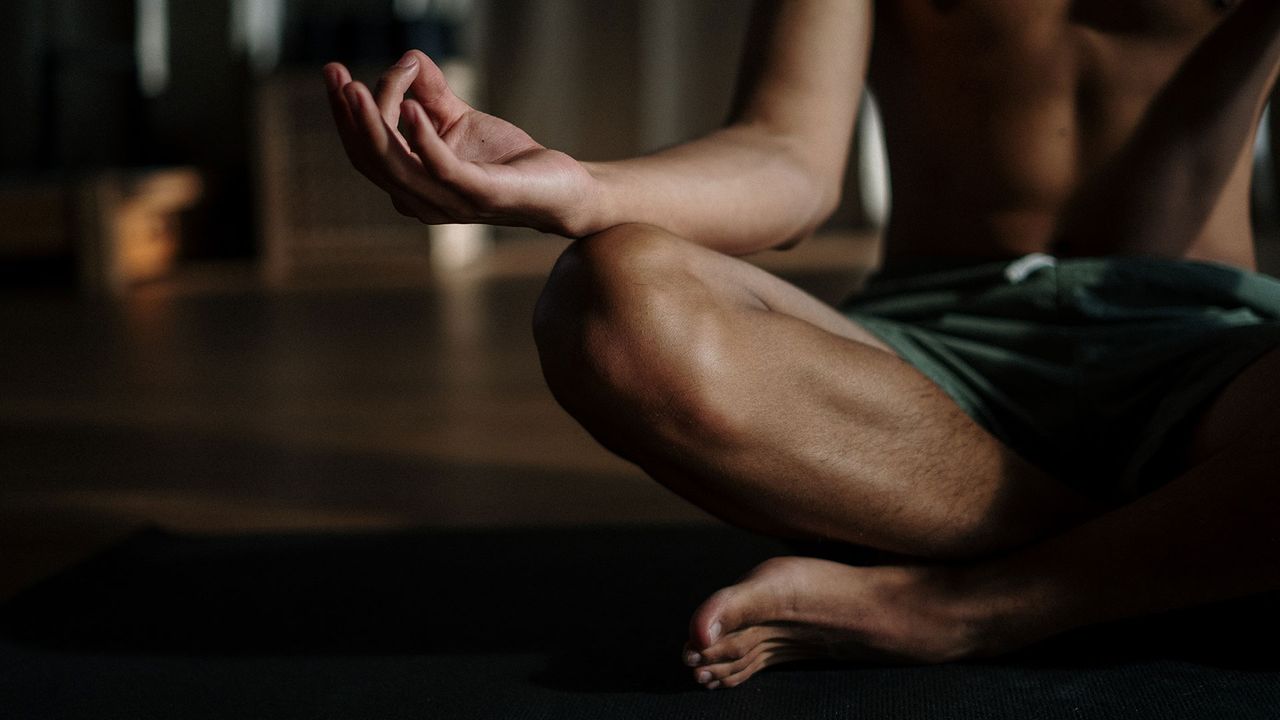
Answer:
(715, 631)
(713, 685)
(692, 659)
(704, 676)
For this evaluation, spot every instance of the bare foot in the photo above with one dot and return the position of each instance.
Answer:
(795, 608)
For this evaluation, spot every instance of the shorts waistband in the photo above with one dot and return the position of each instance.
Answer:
(962, 272)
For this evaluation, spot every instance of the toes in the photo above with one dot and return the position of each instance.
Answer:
(761, 662)
(706, 618)
(735, 673)
(742, 675)
(691, 657)
(721, 615)
(719, 671)
(735, 645)
(759, 598)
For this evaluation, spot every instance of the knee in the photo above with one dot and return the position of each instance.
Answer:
(597, 286)
(611, 300)
(625, 325)
(601, 266)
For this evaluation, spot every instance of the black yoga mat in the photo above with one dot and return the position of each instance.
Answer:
(564, 624)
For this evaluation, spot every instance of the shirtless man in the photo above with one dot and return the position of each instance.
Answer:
(1088, 433)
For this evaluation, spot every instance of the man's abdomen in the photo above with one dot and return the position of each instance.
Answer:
(991, 134)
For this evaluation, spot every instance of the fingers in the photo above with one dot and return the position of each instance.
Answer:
(418, 73)
(373, 151)
(430, 89)
(379, 154)
(344, 103)
(423, 139)
(440, 161)
(392, 86)
(383, 156)
(336, 77)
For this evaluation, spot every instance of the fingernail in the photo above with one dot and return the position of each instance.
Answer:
(704, 676)
(713, 685)
(692, 659)
(715, 631)
(408, 61)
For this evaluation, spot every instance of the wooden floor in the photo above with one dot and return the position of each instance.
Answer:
(209, 404)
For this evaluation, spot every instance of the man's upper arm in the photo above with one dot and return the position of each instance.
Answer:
(802, 76)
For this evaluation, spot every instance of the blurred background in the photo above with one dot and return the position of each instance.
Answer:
(210, 322)
(145, 139)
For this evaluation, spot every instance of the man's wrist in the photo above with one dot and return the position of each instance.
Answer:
(595, 211)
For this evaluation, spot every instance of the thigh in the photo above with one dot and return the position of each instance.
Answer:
(1249, 402)
(737, 282)
(773, 411)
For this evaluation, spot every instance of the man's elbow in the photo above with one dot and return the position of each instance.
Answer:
(829, 199)
(825, 203)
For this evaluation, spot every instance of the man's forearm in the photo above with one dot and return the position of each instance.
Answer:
(739, 190)
(774, 173)
(764, 181)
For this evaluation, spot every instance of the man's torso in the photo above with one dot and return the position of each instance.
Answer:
(996, 110)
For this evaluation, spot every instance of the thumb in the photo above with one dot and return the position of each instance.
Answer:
(431, 90)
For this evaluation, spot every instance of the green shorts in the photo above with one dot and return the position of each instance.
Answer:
(1092, 368)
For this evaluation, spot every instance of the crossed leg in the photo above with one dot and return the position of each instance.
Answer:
(773, 412)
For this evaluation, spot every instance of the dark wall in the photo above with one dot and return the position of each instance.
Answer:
(69, 71)
(23, 44)
(203, 119)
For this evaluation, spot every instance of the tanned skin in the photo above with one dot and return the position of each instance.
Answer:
(1075, 127)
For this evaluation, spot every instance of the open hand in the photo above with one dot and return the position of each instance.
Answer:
(454, 164)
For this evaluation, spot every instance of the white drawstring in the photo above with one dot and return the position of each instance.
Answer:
(1023, 267)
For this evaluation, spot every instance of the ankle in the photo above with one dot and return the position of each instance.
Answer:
(1003, 611)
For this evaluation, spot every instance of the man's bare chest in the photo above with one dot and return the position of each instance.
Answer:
(1152, 18)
